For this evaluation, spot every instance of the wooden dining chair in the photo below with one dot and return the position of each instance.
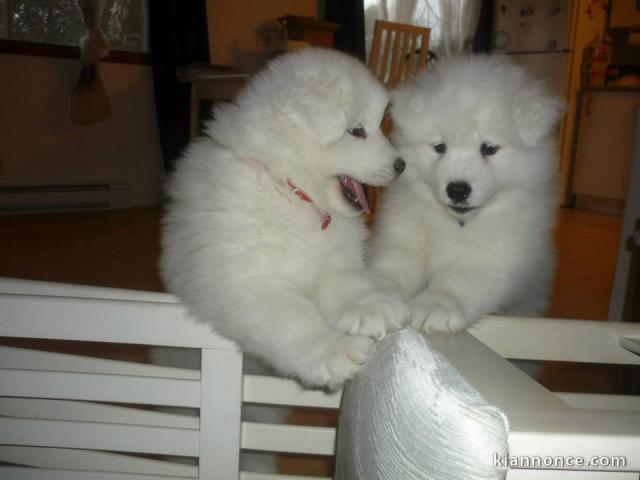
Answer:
(399, 51)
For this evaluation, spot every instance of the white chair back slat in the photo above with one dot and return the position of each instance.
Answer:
(600, 401)
(107, 321)
(100, 387)
(221, 395)
(99, 436)
(23, 473)
(280, 391)
(288, 438)
(93, 412)
(558, 340)
(64, 458)
(266, 476)
(27, 359)
(51, 289)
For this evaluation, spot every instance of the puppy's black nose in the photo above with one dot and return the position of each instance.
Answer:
(399, 165)
(458, 191)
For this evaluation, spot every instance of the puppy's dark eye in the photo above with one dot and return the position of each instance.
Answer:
(488, 149)
(358, 131)
(440, 148)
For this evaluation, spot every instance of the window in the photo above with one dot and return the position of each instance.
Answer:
(3, 19)
(60, 23)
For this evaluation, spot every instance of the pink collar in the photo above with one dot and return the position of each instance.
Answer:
(324, 216)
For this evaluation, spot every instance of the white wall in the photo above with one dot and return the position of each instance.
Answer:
(39, 144)
(233, 27)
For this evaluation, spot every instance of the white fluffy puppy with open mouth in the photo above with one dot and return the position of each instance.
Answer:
(467, 229)
(263, 236)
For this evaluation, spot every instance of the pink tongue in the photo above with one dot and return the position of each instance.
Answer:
(359, 191)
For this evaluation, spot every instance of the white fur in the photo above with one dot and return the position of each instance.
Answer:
(248, 256)
(499, 257)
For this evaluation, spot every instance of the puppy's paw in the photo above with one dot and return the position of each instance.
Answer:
(440, 320)
(375, 316)
(344, 358)
(438, 314)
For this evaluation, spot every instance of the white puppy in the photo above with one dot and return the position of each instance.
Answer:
(263, 238)
(466, 231)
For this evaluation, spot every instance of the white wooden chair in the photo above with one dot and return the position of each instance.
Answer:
(68, 417)
(77, 417)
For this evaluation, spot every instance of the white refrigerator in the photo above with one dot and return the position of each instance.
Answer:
(536, 34)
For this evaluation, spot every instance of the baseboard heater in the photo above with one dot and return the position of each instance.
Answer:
(63, 198)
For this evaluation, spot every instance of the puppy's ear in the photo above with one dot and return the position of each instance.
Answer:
(536, 113)
(319, 112)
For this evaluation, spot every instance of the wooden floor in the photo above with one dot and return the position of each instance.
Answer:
(587, 248)
(121, 248)
(117, 248)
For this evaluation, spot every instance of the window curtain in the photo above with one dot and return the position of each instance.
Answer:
(349, 14)
(95, 44)
(400, 11)
(178, 36)
(89, 101)
(456, 25)
(459, 19)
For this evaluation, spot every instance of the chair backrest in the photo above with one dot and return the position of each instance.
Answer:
(67, 414)
(398, 51)
(73, 416)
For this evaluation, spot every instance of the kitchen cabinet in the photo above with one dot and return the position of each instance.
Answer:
(625, 14)
(606, 132)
